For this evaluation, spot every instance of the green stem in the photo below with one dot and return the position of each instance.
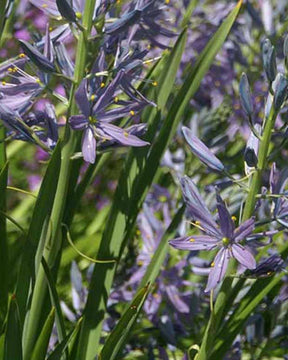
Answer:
(53, 240)
(221, 304)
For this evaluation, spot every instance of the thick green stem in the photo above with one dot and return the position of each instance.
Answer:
(53, 240)
(221, 304)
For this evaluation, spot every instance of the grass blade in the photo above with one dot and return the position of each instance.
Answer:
(13, 345)
(3, 246)
(119, 334)
(41, 346)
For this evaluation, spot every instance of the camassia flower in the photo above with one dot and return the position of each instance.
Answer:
(225, 238)
(96, 119)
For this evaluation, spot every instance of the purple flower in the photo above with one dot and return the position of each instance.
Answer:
(96, 118)
(224, 237)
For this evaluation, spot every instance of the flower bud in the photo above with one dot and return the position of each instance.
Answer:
(37, 58)
(245, 95)
(269, 60)
(66, 10)
(280, 93)
(201, 151)
(251, 151)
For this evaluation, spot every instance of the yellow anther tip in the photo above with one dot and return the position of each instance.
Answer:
(132, 112)
(22, 55)
(102, 85)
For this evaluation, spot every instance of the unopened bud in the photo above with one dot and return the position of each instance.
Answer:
(280, 93)
(245, 95)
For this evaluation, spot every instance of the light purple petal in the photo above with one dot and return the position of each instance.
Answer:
(226, 223)
(89, 146)
(244, 230)
(196, 242)
(217, 272)
(244, 256)
(206, 220)
(78, 122)
(81, 97)
(173, 295)
(201, 150)
(122, 136)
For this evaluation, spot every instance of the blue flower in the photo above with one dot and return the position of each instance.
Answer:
(225, 238)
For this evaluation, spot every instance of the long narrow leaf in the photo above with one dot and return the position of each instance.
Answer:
(56, 303)
(41, 347)
(118, 336)
(41, 212)
(4, 273)
(13, 345)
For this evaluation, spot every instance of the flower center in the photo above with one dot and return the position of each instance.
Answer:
(92, 120)
(225, 241)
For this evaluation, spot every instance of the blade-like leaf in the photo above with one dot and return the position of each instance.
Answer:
(41, 212)
(60, 349)
(13, 345)
(56, 303)
(119, 334)
(40, 349)
(4, 273)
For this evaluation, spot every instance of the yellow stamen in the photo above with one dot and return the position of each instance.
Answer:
(102, 85)
(22, 55)
(191, 240)
(197, 222)
(37, 80)
(116, 99)
(126, 134)
(3, 83)
(78, 15)
(10, 69)
(132, 112)
(44, 6)
(50, 28)
(92, 97)
(234, 218)
(212, 264)
(154, 83)
(148, 46)
(167, 2)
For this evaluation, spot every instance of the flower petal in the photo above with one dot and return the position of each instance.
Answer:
(122, 136)
(82, 98)
(226, 223)
(201, 150)
(78, 122)
(244, 230)
(243, 256)
(197, 242)
(217, 272)
(89, 146)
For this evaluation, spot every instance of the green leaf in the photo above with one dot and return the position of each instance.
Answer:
(133, 186)
(119, 334)
(56, 303)
(41, 346)
(40, 217)
(4, 271)
(60, 349)
(187, 16)
(13, 344)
